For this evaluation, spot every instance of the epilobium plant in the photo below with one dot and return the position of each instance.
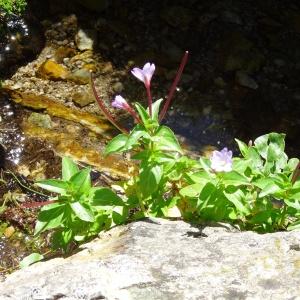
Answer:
(80, 210)
(155, 147)
(256, 191)
(259, 190)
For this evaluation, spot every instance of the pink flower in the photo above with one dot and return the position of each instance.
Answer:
(144, 74)
(221, 161)
(119, 102)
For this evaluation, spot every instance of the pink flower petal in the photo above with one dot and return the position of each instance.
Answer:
(119, 102)
(138, 73)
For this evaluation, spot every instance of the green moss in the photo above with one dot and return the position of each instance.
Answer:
(13, 6)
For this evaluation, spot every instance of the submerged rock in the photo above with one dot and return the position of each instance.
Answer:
(86, 39)
(52, 70)
(160, 259)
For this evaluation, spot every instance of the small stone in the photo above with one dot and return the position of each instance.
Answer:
(63, 52)
(16, 86)
(219, 82)
(86, 39)
(118, 87)
(9, 231)
(40, 120)
(106, 68)
(83, 99)
(90, 67)
(81, 76)
(245, 80)
(52, 70)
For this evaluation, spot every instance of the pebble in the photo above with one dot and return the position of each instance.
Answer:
(245, 80)
(85, 39)
(118, 87)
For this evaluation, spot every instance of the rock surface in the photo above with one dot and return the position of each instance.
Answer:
(159, 259)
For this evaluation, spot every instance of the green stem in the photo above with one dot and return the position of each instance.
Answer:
(24, 186)
(284, 211)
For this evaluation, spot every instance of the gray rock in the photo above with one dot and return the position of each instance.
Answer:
(80, 76)
(40, 120)
(86, 39)
(118, 87)
(245, 80)
(159, 259)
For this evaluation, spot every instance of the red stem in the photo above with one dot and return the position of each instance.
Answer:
(174, 84)
(37, 204)
(133, 113)
(149, 98)
(105, 111)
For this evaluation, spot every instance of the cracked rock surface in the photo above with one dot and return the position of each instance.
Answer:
(161, 259)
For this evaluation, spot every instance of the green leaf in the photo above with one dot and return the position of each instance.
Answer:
(155, 109)
(81, 181)
(165, 139)
(255, 159)
(106, 197)
(198, 177)
(62, 238)
(69, 168)
(30, 259)
(82, 212)
(237, 198)
(262, 217)
(51, 216)
(54, 185)
(116, 144)
(243, 147)
(149, 180)
(142, 113)
(134, 137)
(205, 164)
(212, 204)
(234, 178)
(120, 215)
(293, 226)
(295, 203)
(270, 189)
(192, 190)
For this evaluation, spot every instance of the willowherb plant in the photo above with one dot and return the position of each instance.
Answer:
(155, 147)
(260, 190)
(245, 191)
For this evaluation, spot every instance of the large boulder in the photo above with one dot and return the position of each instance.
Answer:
(159, 259)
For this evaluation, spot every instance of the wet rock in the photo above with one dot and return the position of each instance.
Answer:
(160, 259)
(52, 70)
(177, 16)
(63, 52)
(81, 76)
(219, 82)
(41, 120)
(239, 53)
(83, 99)
(9, 231)
(118, 87)
(245, 80)
(86, 39)
(105, 67)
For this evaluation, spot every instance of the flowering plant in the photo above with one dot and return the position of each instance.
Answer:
(259, 190)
